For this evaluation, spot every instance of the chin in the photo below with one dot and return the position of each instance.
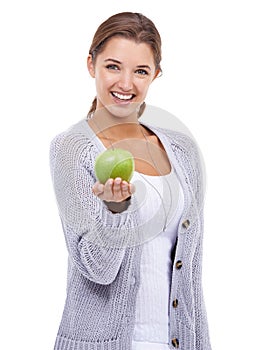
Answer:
(124, 111)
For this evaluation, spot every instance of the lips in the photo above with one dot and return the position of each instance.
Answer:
(122, 97)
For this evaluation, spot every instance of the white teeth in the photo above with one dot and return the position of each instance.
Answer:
(122, 97)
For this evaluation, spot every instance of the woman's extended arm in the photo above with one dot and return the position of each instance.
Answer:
(96, 238)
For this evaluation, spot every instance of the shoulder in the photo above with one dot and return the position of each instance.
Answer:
(74, 136)
(179, 140)
(185, 148)
(74, 144)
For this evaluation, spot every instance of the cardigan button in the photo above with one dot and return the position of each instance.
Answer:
(175, 303)
(133, 281)
(175, 343)
(179, 264)
(186, 224)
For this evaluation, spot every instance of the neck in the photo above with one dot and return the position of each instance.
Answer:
(108, 126)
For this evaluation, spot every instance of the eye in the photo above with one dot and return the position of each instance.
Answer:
(142, 72)
(112, 67)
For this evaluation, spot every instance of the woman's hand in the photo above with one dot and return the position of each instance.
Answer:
(114, 190)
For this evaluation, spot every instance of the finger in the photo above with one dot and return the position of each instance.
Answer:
(117, 193)
(108, 191)
(125, 189)
(98, 188)
(131, 188)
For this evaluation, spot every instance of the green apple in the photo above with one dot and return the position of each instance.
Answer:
(112, 163)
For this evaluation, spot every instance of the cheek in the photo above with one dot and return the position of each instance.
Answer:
(143, 87)
(104, 81)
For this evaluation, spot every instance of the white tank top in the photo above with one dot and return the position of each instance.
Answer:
(152, 306)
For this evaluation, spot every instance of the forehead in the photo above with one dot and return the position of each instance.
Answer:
(125, 50)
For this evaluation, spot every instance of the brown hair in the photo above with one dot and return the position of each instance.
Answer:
(129, 25)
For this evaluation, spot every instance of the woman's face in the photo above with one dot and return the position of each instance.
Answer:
(123, 72)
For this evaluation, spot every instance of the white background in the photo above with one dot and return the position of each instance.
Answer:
(212, 82)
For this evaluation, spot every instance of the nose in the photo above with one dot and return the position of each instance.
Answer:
(125, 82)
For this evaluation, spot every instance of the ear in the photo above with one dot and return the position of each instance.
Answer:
(158, 73)
(90, 66)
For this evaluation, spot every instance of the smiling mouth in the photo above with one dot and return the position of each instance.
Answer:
(121, 97)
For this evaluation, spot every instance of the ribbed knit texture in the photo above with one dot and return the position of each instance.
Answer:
(152, 305)
(104, 258)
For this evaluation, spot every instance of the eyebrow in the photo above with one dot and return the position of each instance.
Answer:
(116, 61)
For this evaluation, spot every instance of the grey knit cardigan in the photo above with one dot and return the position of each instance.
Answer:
(103, 265)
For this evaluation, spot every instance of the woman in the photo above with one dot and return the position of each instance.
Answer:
(135, 249)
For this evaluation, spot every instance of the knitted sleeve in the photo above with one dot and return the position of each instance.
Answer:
(193, 167)
(202, 330)
(96, 238)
